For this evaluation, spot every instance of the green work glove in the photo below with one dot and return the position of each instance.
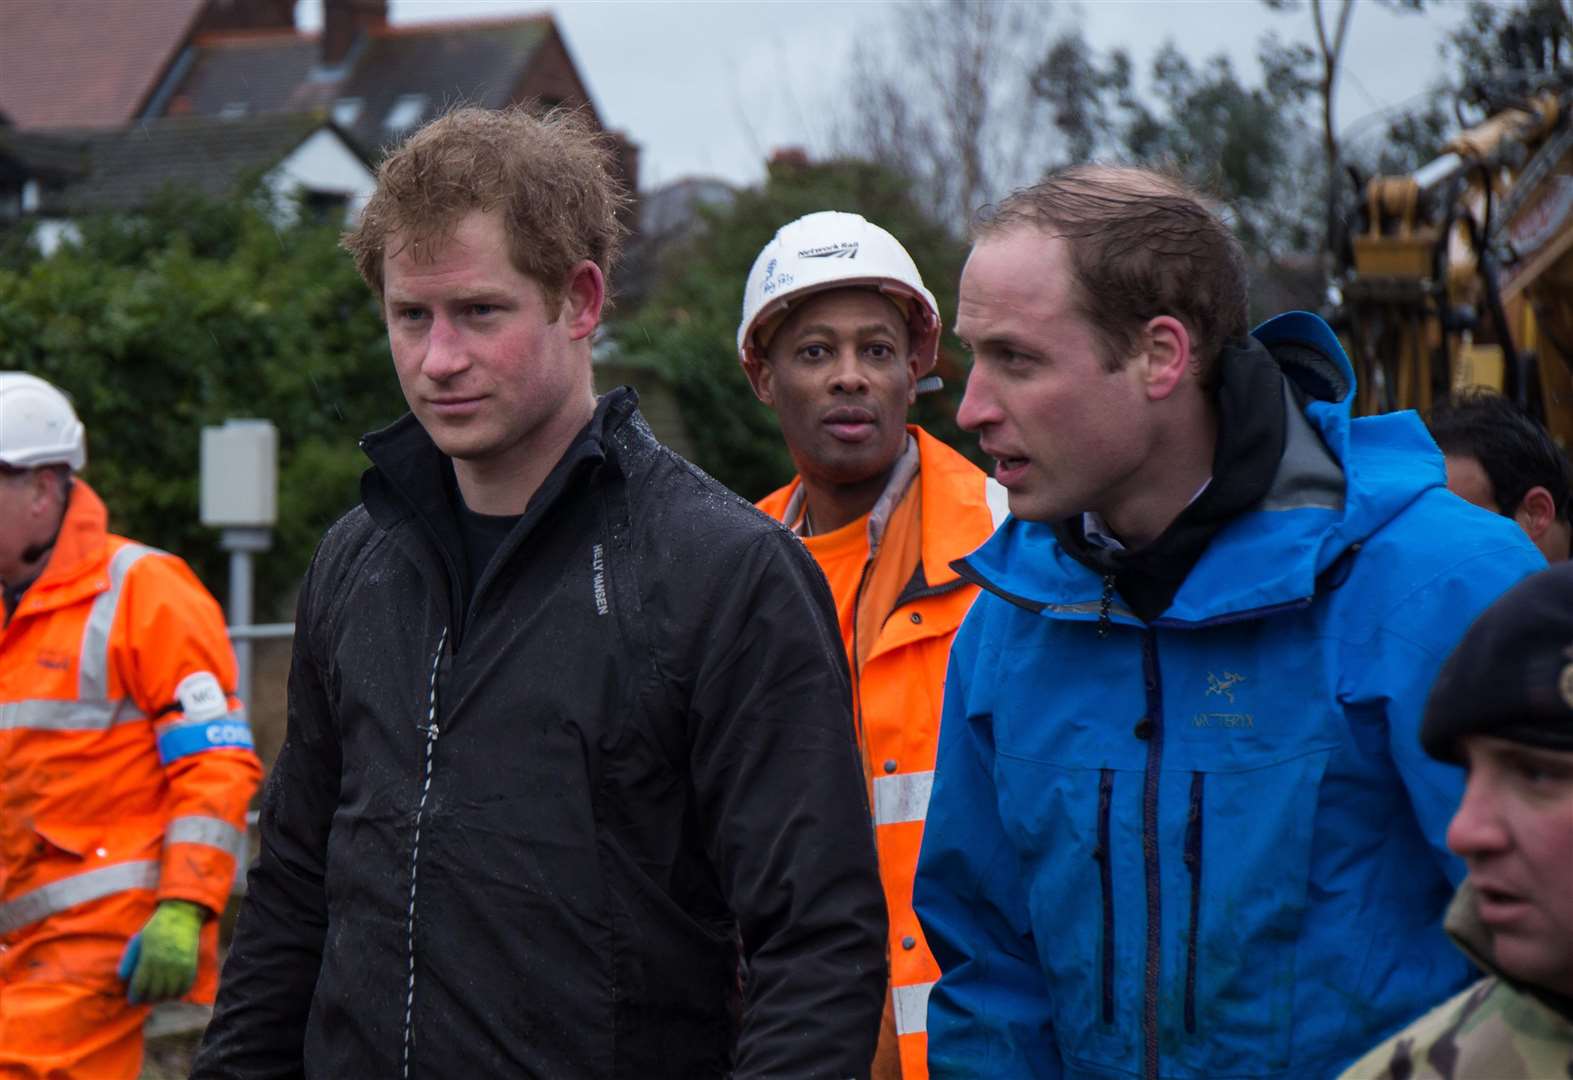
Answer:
(161, 962)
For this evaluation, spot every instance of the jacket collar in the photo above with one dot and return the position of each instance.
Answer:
(1252, 411)
(897, 483)
(411, 477)
(944, 479)
(956, 515)
(78, 564)
(1337, 481)
(1463, 925)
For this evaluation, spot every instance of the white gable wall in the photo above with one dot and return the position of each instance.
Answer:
(323, 163)
(50, 233)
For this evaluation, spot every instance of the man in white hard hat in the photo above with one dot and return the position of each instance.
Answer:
(837, 331)
(125, 763)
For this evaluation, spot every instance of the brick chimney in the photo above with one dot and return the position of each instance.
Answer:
(343, 21)
(226, 15)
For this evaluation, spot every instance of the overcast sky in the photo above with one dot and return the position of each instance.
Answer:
(709, 89)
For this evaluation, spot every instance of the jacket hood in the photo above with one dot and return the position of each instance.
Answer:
(1463, 925)
(1338, 481)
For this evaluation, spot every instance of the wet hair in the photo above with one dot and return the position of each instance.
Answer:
(1142, 244)
(550, 176)
(1513, 449)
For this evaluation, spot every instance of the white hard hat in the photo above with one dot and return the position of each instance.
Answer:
(834, 250)
(37, 425)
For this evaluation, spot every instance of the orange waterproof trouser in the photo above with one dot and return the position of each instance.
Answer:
(63, 1011)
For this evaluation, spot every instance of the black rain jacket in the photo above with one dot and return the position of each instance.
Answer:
(605, 819)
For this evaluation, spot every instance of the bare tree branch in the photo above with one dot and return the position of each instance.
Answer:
(946, 101)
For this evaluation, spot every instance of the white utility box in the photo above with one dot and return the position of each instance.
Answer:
(240, 475)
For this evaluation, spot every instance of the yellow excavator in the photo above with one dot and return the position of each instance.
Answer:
(1461, 273)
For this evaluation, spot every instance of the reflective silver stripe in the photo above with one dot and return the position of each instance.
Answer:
(911, 1007)
(903, 797)
(79, 889)
(47, 715)
(212, 831)
(93, 661)
(998, 499)
(1091, 607)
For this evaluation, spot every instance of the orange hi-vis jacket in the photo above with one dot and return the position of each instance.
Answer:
(908, 607)
(126, 762)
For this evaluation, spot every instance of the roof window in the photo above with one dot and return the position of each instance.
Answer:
(405, 112)
(346, 110)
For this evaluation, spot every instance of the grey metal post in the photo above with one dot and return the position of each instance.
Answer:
(241, 544)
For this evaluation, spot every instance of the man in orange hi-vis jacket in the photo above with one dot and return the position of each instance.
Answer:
(837, 331)
(125, 763)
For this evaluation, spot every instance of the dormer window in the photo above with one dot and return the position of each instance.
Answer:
(406, 112)
(346, 110)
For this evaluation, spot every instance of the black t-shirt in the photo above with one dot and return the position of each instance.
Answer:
(482, 535)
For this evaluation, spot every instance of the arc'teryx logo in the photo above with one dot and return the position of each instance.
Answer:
(847, 249)
(1224, 687)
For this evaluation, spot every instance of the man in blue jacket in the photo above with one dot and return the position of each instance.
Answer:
(1182, 825)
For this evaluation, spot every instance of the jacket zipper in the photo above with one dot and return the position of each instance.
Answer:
(908, 599)
(431, 731)
(1193, 863)
(856, 666)
(1152, 972)
(1106, 880)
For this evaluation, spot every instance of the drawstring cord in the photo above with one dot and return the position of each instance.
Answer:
(1104, 605)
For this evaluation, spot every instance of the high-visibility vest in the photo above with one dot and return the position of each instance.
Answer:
(900, 686)
(126, 759)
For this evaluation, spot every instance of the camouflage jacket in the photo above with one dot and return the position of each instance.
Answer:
(1496, 1028)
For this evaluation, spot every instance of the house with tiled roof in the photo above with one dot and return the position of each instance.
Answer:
(112, 100)
(105, 64)
(50, 179)
(101, 64)
(377, 81)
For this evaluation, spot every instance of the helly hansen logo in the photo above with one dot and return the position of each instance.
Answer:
(847, 249)
(598, 578)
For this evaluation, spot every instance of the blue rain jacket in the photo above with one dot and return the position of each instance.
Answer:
(1211, 846)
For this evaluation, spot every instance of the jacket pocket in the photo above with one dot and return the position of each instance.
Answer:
(1106, 884)
(64, 841)
(1071, 829)
(1240, 921)
(1193, 863)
